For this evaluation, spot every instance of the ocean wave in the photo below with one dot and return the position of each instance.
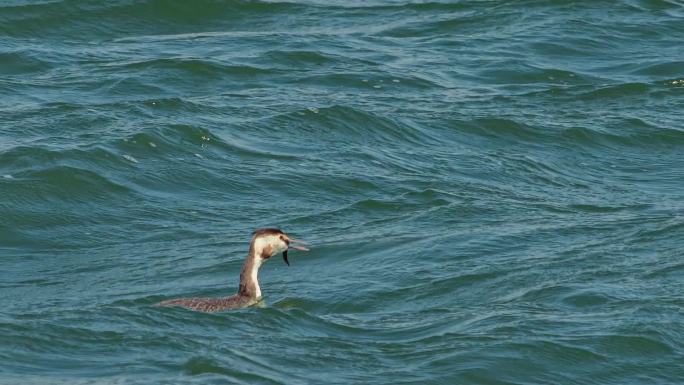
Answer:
(633, 132)
(22, 63)
(196, 67)
(662, 69)
(641, 135)
(342, 122)
(106, 20)
(463, 21)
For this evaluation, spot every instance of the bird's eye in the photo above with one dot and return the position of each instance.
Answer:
(287, 241)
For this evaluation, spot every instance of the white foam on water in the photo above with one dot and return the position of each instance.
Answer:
(130, 158)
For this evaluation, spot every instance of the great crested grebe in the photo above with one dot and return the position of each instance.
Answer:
(265, 244)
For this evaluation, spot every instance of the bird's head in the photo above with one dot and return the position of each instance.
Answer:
(270, 241)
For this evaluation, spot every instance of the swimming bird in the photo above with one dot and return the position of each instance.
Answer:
(265, 244)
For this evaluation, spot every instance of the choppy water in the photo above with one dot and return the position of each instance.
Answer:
(493, 191)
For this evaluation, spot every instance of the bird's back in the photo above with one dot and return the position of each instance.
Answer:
(210, 305)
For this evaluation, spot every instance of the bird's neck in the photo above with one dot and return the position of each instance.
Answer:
(249, 282)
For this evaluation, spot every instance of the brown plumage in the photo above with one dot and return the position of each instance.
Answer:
(265, 243)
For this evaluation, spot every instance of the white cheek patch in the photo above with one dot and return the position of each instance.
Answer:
(269, 242)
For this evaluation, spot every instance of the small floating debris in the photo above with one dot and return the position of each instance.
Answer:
(130, 158)
(313, 109)
(205, 138)
(679, 82)
(395, 80)
(152, 144)
(8, 176)
(377, 86)
(364, 80)
(199, 156)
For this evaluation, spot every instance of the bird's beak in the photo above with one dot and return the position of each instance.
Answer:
(293, 245)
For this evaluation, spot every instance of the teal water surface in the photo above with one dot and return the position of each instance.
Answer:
(493, 191)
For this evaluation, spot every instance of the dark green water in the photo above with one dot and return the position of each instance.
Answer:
(493, 191)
